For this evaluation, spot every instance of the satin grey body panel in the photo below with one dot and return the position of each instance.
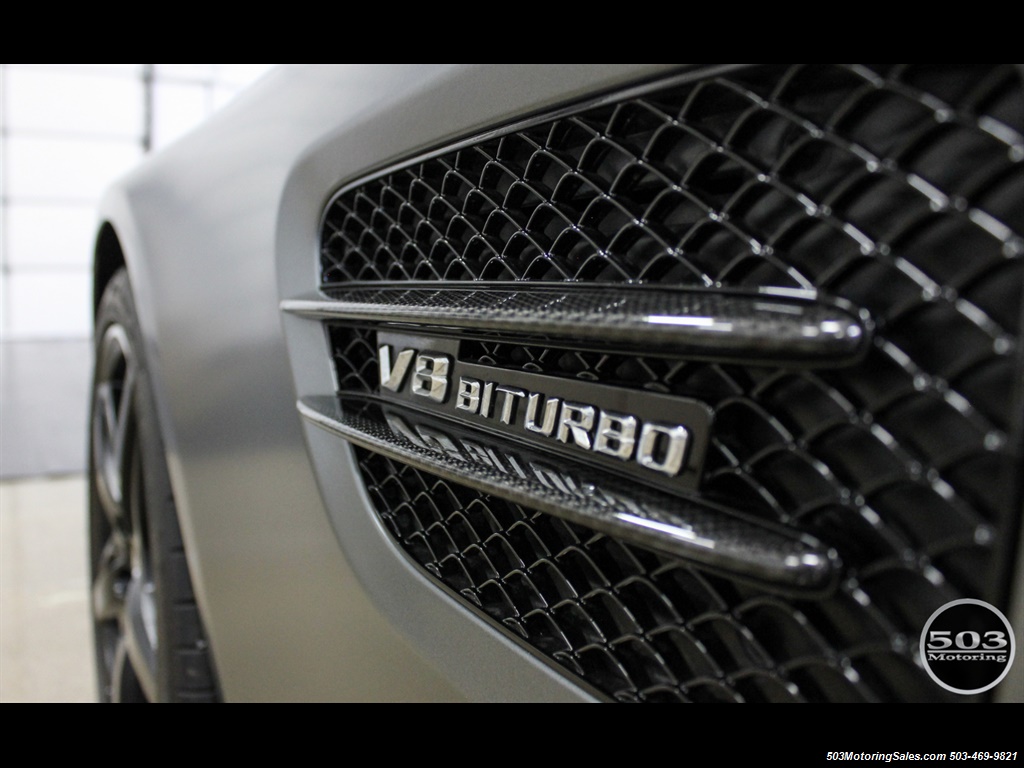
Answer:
(216, 231)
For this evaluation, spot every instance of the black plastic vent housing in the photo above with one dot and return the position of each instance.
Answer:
(897, 189)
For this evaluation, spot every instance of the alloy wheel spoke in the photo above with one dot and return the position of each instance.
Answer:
(110, 584)
(124, 684)
(124, 413)
(141, 652)
(113, 510)
(112, 421)
(135, 511)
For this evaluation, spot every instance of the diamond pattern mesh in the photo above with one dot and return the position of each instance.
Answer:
(899, 189)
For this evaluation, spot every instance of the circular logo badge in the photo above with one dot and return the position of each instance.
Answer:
(967, 646)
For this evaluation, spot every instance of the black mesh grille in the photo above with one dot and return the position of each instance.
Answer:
(899, 189)
(638, 626)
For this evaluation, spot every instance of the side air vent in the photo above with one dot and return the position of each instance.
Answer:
(707, 391)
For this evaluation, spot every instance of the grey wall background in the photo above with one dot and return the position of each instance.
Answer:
(66, 132)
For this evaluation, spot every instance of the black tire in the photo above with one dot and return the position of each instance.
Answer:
(150, 641)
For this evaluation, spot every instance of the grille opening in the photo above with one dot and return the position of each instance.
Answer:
(899, 189)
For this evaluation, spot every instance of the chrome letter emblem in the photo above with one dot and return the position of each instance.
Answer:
(599, 424)
(430, 378)
(392, 377)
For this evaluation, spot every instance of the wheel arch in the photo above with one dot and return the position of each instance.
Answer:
(120, 243)
(108, 257)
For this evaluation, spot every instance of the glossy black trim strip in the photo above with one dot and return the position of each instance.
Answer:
(712, 537)
(707, 325)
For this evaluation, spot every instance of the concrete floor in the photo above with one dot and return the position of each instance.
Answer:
(45, 636)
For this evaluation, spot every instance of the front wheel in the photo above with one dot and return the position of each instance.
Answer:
(150, 642)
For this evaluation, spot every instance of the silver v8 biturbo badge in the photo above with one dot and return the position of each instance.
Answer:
(658, 438)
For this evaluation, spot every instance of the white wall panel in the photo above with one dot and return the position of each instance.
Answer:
(51, 304)
(186, 71)
(177, 108)
(239, 75)
(69, 130)
(50, 235)
(59, 101)
(62, 170)
(107, 69)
